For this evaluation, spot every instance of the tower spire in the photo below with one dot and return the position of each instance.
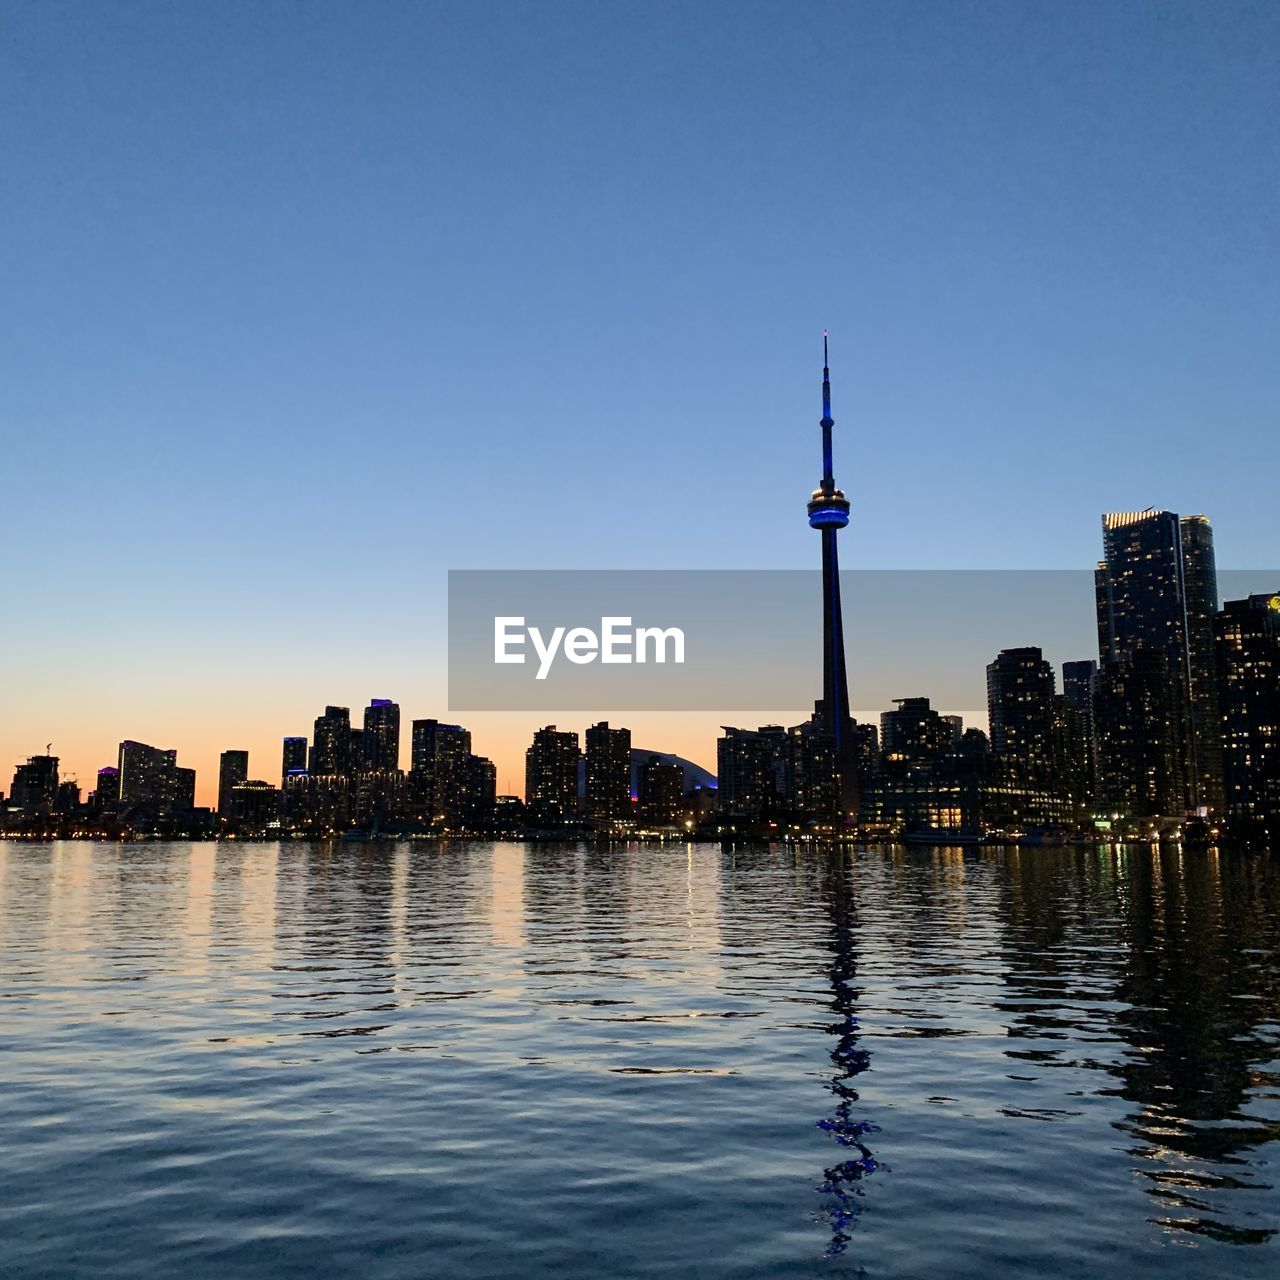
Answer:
(828, 480)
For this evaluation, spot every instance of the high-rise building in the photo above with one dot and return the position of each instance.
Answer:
(331, 743)
(1248, 660)
(829, 513)
(608, 781)
(439, 753)
(152, 782)
(382, 734)
(755, 770)
(1021, 708)
(252, 805)
(551, 776)
(293, 758)
(477, 794)
(68, 796)
(1077, 682)
(106, 794)
(1138, 732)
(1157, 593)
(35, 785)
(913, 731)
(233, 769)
(660, 787)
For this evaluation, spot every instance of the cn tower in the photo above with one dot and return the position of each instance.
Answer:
(829, 513)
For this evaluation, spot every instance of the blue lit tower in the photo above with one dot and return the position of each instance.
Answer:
(829, 513)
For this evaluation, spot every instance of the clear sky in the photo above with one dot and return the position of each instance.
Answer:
(306, 303)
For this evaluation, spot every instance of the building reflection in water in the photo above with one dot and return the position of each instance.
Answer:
(846, 1125)
(1165, 963)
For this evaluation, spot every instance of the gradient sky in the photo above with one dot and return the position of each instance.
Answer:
(306, 303)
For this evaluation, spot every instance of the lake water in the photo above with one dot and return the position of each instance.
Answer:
(503, 1060)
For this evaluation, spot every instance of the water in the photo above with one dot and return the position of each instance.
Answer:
(484, 1060)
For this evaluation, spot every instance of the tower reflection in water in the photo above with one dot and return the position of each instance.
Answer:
(841, 1181)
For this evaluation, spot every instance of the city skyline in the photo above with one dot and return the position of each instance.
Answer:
(250, 392)
(505, 736)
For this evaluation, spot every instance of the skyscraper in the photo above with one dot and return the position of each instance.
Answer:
(1248, 654)
(1077, 682)
(438, 760)
(106, 794)
(829, 513)
(382, 734)
(1157, 594)
(608, 783)
(661, 791)
(331, 742)
(1020, 707)
(1137, 723)
(551, 775)
(152, 782)
(913, 731)
(233, 769)
(293, 758)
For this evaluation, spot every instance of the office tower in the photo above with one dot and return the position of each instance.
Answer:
(551, 775)
(1138, 731)
(1077, 682)
(331, 742)
(233, 769)
(1248, 662)
(608, 781)
(293, 758)
(1021, 709)
(382, 734)
(1157, 593)
(829, 513)
(438, 755)
(106, 794)
(660, 788)
(35, 785)
(913, 731)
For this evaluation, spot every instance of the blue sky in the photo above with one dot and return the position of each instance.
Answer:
(307, 303)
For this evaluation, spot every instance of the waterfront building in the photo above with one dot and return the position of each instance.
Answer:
(233, 769)
(331, 743)
(35, 786)
(660, 792)
(913, 730)
(608, 775)
(293, 758)
(1156, 589)
(1021, 707)
(438, 756)
(152, 784)
(1248, 662)
(382, 735)
(551, 776)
